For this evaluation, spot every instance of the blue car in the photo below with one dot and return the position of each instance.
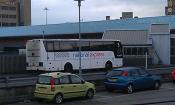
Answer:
(130, 79)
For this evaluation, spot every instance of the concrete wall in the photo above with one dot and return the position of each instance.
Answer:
(15, 94)
(160, 34)
(127, 37)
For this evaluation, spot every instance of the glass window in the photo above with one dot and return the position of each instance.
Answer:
(172, 51)
(85, 46)
(172, 42)
(96, 46)
(128, 51)
(5, 24)
(125, 51)
(57, 46)
(68, 46)
(108, 46)
(134, 72)
(146, 50)
(75, 79)
(140, 51)
(4, 16)
(12, 16)
(44, 80)
(57, 81)
(143, 72)
(49, 46)
(134, 51)
(12, 24)
(4, 8)
(12, 8)
(64, 80)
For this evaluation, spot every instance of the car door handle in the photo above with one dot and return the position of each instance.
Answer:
(74, 86)
(62, 86)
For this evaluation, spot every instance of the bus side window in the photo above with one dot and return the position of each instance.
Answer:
(49, 46)
(107, 46)
(74, 46)
(68, 46)
(85, 46)
(96, 46)
(57, 46)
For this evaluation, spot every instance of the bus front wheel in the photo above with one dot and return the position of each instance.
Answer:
(68, 68)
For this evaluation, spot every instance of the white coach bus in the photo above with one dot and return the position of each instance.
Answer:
(63, 54)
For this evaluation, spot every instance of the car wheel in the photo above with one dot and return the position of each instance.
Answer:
(90, 94)
(130, 89)
(68, 68)
(156, 85)
(58, 99)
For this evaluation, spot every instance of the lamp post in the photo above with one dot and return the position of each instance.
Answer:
(79, 27)
(45, 9)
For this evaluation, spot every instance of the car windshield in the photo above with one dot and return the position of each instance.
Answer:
(44, 80)
(114, 73)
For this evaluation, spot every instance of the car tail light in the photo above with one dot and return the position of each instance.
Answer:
(173, 72)
(52, 83)
(124, 73)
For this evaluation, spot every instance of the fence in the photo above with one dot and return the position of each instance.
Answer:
(12, 64)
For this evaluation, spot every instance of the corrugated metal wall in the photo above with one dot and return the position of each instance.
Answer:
(127, 36)
(12, 64)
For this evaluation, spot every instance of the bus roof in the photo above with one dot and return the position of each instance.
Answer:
(75, 40)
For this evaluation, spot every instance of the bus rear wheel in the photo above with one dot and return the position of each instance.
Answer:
(108, 65)
(68, 68)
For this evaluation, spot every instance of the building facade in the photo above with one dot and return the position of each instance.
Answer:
(154, 35)
(15, 13)
(170, 9)
(126, 15)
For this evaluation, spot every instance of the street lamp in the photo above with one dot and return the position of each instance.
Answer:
(80, 69)
(46, 9)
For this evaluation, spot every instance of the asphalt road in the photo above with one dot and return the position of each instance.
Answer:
(164, 96)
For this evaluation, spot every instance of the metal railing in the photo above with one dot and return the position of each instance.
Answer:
(9, 81)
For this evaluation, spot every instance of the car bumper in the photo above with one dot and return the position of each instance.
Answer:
(116, 85)
(44, 96)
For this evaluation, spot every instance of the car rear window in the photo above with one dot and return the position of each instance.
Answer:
(44, 80)
(114, 73)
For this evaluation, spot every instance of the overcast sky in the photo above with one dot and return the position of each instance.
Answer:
(61, 11)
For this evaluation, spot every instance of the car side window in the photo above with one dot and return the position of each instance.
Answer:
(64, 80)
(134, 73)
(57, 82)
(142, 72)
(75, 79)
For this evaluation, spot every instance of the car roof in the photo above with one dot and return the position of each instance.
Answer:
(56, 74)
(125, 68)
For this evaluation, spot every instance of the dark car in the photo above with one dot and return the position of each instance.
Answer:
(130, 79)
(173, 75)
